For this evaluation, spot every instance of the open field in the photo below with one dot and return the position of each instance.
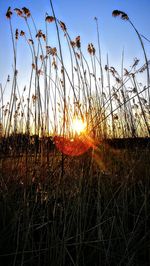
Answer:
(74, 150)
(97, 213)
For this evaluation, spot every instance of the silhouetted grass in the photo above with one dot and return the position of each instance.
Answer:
(57, 209)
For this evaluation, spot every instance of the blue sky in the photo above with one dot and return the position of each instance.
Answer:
(79, 16)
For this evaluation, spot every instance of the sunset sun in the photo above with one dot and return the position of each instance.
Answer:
(74, 133)
(78, 126)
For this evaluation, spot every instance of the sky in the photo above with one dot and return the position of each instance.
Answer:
(115, 34)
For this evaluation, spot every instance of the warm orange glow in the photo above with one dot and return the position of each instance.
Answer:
(78, 142)
(78, 126)
(73, 147)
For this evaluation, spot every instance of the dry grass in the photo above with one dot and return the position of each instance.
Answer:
(92, 209)
(88, 216)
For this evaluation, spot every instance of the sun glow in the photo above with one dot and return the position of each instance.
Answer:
(79, 126)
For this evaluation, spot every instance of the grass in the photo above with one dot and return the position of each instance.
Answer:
(112, 104)
(98, 213)
(57, 209)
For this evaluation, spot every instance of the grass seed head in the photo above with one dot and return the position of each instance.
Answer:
(49, 19)
(22, 33)
(19, 12)
(78, 42)
(39, 34)
(26, 12)
(63, 26)
(16, 34)
(9, 13)
(121, 14)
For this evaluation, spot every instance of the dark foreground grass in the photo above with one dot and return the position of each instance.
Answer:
(97, 213)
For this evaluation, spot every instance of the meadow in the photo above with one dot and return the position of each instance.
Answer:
(74, 152)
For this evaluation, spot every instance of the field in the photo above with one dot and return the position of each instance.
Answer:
(96, 213)
(74, 154)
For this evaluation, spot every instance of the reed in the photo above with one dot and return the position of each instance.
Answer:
(68, 197)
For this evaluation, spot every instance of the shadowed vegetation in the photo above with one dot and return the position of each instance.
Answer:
(74, 152)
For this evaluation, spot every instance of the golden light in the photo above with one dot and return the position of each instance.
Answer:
(78, 142)
(78, 126)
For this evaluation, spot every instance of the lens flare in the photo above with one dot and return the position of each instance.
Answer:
(72, 147)
(78, 142)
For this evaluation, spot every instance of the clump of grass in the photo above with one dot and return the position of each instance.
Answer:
(79, 92)
(63, 210)
(97, 213)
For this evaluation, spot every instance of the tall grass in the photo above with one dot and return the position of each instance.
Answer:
(56, 209)
(81, 91)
